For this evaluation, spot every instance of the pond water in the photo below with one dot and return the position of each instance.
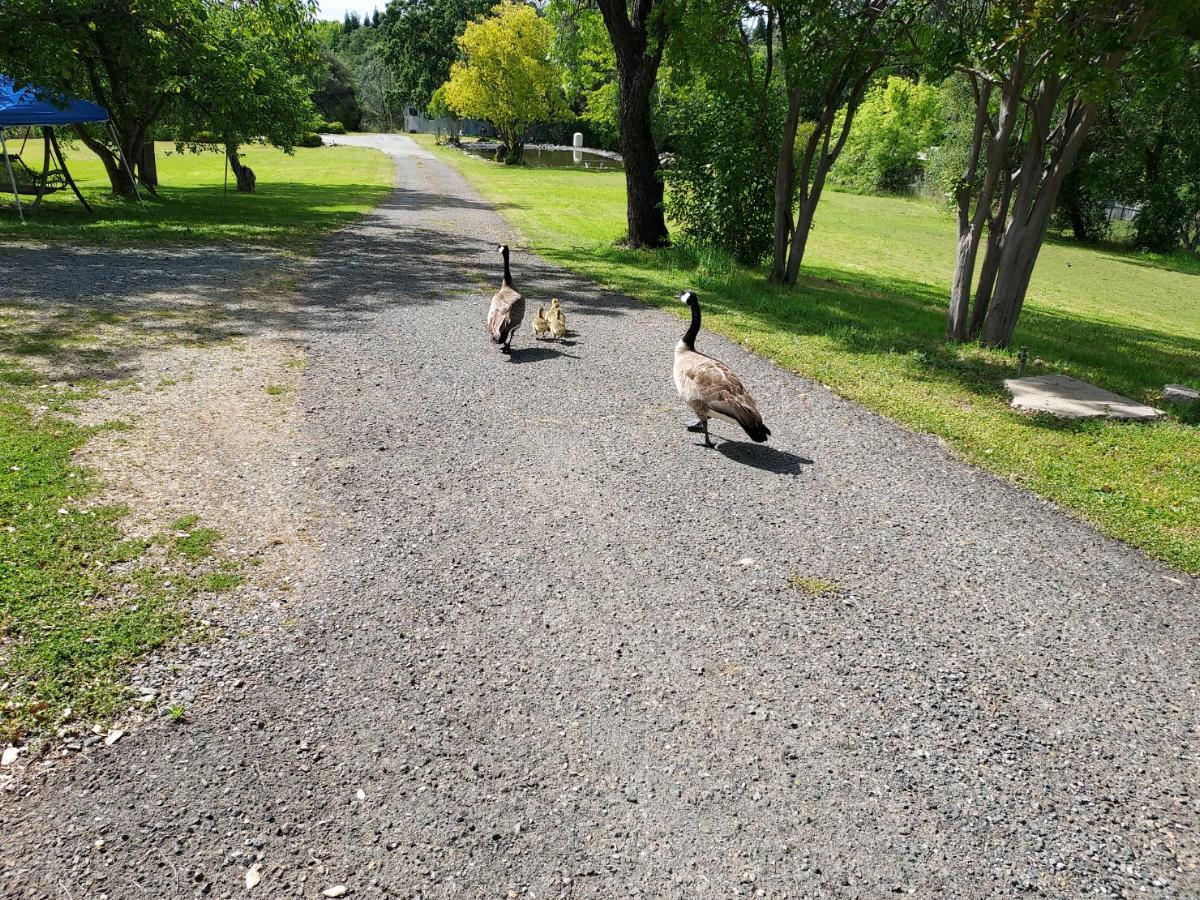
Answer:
(555, 159)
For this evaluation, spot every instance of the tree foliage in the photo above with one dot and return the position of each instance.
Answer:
(897, 122)
(506, 76)
(829, 54)
(239, 67)
(419, 42)
(1038, 78)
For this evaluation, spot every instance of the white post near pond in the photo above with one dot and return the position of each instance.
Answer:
(577, 141)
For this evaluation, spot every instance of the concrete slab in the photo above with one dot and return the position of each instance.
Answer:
(1070, 398)
(1180, 393)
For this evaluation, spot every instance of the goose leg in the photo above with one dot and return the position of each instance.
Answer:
(707, 440)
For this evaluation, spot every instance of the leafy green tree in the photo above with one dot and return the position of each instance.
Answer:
(897, 121)
(145, 61)
(254, 80)
(420, 42)
(829, 54)
(506, 76)
(336, 98)
(723, 108)
(440, 109)
(375, 84)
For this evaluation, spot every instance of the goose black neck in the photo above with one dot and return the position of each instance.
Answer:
(507, 273)
(689, 336)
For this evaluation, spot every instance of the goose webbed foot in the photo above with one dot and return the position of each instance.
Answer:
(506, 350)
(698, 428)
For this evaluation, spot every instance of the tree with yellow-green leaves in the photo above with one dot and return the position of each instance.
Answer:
(506, 76)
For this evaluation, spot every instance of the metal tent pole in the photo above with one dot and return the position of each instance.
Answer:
(128, 171)
(11, 177)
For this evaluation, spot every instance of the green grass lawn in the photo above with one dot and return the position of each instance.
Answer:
(868, 319)
(298, 198)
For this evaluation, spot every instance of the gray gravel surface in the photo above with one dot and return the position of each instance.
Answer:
(554, 642)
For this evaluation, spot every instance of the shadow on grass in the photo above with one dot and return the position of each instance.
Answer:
(278, 213)
(868, 315)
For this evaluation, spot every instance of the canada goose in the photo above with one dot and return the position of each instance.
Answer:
(541, 326)
(507, 309)
(709, 387)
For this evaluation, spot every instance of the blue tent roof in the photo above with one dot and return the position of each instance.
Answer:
(31, 106)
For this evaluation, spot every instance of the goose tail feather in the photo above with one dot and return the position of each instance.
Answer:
(752, 424)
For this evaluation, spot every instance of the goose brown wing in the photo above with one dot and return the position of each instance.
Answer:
(714, 385)
(505, 313)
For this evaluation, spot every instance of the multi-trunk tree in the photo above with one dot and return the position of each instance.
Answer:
(829, 52)
(1038, 74)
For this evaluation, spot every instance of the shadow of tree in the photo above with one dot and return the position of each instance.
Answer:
(886, 315)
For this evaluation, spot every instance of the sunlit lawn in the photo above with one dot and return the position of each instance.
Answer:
(299, 197)
(868, 320)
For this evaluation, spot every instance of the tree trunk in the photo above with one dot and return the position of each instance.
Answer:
(785, 187)
(118, 177)
(638, 53)
(147, 166)
(643, 181)
(246, 179)
(993, 152)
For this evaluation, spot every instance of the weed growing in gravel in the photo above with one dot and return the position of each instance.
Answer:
(276, 389)
(814, 587)
(197, 543)
(177, 713)
(226, 579)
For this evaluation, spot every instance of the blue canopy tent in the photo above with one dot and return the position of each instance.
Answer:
(30, 107)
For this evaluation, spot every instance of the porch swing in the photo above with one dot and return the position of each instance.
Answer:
(30, 182)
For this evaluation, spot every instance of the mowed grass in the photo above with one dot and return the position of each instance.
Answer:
(299, 197)
(868, 320)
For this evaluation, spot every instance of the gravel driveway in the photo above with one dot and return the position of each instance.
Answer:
(553, 647)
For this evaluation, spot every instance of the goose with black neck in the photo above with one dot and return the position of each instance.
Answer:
(710, 387)
(507, 309)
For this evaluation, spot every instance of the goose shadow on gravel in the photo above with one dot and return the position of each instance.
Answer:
(538, 354)
(768, 459)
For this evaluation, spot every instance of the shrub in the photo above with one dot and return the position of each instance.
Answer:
(312, 139)
(896, 122)
(333, 128)
(722, 177)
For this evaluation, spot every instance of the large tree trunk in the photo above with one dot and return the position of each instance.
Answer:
(147, 166)
(246, 179)
(643, 180)
(785, 187)
(638, 47)
(118, 177)
(1035, 195)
